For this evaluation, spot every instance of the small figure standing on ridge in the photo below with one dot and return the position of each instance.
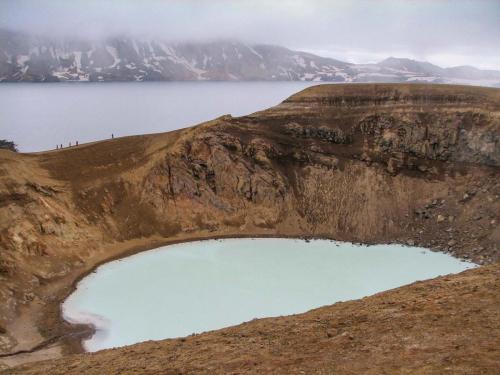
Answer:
(76, 144)
(61, 146)
(112, 135)
(57, 147)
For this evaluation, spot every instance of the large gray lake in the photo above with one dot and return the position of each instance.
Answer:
(193, 287)
(37, 116)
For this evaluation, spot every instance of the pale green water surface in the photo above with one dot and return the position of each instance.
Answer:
(199, 286)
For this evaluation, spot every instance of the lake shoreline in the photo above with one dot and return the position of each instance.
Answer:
(70, 336)
(335, 270)
(155, 243)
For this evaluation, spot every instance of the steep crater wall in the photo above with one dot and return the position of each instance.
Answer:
(415, 164)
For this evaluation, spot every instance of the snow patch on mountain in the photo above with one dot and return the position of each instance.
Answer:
(30, 58)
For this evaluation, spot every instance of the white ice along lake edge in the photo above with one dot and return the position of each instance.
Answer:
(193, 287)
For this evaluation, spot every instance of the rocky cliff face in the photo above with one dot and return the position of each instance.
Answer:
(415, 164)
(41, 59)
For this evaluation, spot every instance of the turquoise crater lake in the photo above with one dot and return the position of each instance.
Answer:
(199, 286)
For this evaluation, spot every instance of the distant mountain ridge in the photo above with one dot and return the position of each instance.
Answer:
(31, 58)
(466, 72)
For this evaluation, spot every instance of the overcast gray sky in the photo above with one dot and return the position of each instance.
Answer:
(445, 32)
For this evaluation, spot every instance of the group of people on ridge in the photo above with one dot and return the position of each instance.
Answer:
(76, 143)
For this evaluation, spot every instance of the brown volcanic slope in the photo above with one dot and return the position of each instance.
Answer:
(417, 164)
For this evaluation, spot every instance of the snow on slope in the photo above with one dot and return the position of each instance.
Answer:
(27, 58)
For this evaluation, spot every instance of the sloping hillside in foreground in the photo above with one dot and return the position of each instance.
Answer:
(413, 164)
